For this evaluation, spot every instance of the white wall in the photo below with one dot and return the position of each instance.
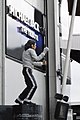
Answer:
(14, 83)
(75, 86)
(64, 19)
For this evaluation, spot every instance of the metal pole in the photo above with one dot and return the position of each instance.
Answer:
(2, 52)
(68, 48)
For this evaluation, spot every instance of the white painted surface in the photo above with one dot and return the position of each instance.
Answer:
(14, 83)
(75, 79)
(64, 19)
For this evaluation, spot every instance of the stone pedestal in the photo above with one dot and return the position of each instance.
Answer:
(21, 112)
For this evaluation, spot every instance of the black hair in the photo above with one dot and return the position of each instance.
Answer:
(28, 44)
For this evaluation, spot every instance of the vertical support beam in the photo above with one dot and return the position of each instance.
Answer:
(2, 50)
(58, 34)
(52, 40)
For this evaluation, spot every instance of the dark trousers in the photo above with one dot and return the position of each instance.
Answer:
(31, 87)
